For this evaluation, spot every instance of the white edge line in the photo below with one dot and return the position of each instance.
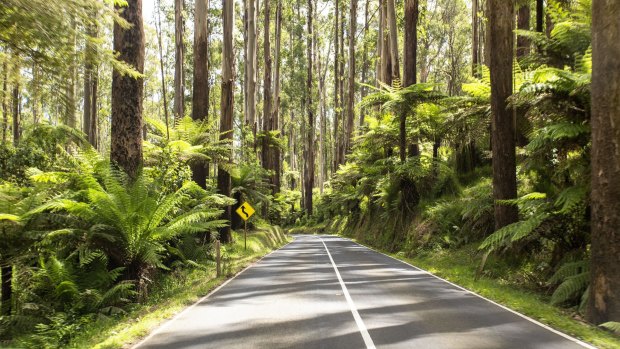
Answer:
(562, 334)
(167, 323)
(358, 319)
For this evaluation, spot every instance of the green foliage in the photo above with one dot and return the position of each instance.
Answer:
(573, 279)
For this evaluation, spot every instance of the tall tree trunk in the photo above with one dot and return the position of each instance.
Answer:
(386, 58)
(540, 15)
(250, 72)
(523, 23)
(7, 289)
(309, 173)
(341, 89)
(379, 52)
(391, 15)
(127, 92)
(162, 71)
(17, 105)
(337, 107)
(179, 74)
(475, 46)
(276, 124)
(88, 89)
(93, 132)
(604, 300)
(351, 95)
(89, 71)
(501, 19)
(5, 108)
(70, 108)
(226, 106)
(266, 156)
(409, 62)
(200, 93)
(365, 60)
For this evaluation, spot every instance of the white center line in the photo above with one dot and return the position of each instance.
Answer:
(358, 319)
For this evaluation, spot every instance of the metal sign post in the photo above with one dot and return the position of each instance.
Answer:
(245, 211)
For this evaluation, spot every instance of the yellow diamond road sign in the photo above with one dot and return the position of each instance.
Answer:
(245, 211)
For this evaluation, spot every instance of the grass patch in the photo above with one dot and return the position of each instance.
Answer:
(173, 293)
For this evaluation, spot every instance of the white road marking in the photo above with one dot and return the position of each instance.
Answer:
(572, 339)
(356, 315)
(169, 322)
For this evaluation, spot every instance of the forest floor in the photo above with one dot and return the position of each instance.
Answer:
(459, 266)
(175, 292)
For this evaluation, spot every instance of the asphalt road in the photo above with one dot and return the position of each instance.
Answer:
(329, 292)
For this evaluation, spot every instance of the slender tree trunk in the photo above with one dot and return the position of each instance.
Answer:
(351, 95)
(17, 104)
(89, 68)
(266, 156)
(365, 60)
(93, 132)
(7, 289)
(309, 175)
(71, 81)
(379, 53)
(276, 100)
(88, 89)
(475, 46)
(386, 58)
(226, 106)
(391, 15)
(179, 76)
(337, 107)
(200, 92)
(162, 71)
(604, 300)
(5, 108)
(540, 15)
(251, 68)
(523, 23)
(501, 19)
(127, 92)
(36, 97)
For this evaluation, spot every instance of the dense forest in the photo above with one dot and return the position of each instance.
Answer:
(132, 130)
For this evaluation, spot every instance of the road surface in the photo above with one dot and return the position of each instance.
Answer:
(329, 292)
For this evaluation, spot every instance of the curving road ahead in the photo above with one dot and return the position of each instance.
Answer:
(329, 292)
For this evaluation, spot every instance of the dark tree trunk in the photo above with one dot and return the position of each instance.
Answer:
(351, 95)
(200, 94)
(16, 113)
(523, 23)
(475, 46)
(309, 173)
(501, 20)
(409, 62)
(540, 15)
(5, 108)
(126, 136)
(604, 300)
(7, 289)
(226, 107)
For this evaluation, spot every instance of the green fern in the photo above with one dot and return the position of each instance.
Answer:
(573, 279)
